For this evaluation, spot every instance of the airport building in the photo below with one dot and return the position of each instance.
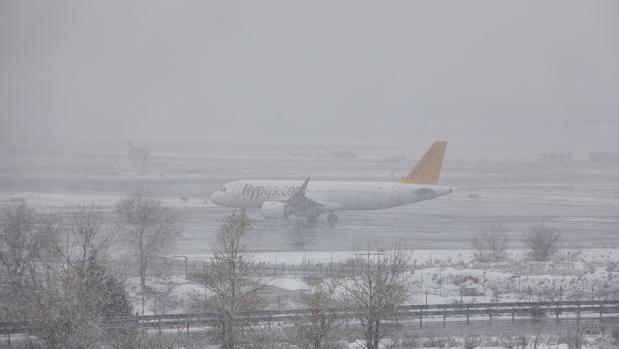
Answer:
(555, 157)
(604, 156)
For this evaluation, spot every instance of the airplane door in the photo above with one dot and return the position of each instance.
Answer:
(236, 191)
(395, 195)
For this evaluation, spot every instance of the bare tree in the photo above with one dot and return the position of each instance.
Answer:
(321, 328)
(62, 291)
(262, 336)
(374, 289)
(140, 155)
(490, 245)
(542, 243)
(85, 236)
(574, 336)
(24, 239)
(151, 228)
(79, 289)
(232, 281)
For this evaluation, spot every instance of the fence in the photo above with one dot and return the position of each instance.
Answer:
(433, 312)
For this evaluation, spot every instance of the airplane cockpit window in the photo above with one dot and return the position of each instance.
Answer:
(222, 189)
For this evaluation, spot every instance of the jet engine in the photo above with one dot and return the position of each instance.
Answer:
(274, 210)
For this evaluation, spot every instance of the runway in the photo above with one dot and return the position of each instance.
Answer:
(580, 198)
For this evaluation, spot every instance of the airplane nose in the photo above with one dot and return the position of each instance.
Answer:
(215, 198)
(443, 191)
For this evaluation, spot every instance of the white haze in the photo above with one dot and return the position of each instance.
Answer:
(536, 75)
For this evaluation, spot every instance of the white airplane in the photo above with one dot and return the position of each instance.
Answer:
(282, 198)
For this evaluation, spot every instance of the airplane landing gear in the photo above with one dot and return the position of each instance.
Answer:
(332, 218)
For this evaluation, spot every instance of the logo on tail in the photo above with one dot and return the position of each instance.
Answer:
(428, 168)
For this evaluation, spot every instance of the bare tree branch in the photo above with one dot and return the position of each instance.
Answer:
(374, 289)
(232, 281)
(542, 243)
(490, 245)
(151, 229)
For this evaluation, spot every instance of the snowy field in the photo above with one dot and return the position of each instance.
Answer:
(436, 277)
(579, 198)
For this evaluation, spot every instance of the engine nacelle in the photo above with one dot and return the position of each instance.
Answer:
(274, 210)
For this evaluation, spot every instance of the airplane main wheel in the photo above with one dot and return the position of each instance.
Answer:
(332, 218)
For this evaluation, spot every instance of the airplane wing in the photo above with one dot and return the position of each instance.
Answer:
(302, 206)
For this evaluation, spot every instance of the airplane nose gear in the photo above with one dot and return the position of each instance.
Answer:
(332, 218)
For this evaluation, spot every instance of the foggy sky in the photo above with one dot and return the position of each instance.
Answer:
(538, 74)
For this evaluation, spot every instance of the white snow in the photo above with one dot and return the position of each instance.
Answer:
(289, 283)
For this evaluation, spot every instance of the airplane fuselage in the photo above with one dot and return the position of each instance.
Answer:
(310, 199)
(335, 196)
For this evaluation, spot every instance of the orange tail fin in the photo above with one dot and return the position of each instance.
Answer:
(428, 168)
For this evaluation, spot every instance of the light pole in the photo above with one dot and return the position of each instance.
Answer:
(421, 283)
(186, 262)
(498, 281)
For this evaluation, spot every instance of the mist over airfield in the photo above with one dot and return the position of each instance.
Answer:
(537, 76)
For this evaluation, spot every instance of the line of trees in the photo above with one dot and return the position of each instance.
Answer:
(56, 276)
(59, 274)
(490, 244)
(371, 286)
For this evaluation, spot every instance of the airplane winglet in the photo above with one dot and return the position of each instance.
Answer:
(303, 187)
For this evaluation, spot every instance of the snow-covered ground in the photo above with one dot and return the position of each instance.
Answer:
(418, 257)
(436, 276)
